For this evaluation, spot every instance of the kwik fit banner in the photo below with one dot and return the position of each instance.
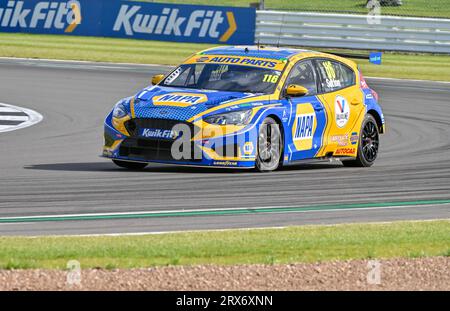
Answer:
(130, 19)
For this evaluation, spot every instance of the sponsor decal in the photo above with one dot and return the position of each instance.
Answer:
(170, 22)
(179, 99)
(342, 109)
(131, 19)
(158, 133)
(345, 151)
(248, 148)
(341, 140)
(331, 80)
(285, 116)
(243, 61)
(64, 16)
(363, 82)
(305, 126)
(375, 58)
(226, 60)
(354, 138)
(333, 83)
(184, 23)
(245, 105)
(225, 163)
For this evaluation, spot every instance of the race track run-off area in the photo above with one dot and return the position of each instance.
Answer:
(52, 180)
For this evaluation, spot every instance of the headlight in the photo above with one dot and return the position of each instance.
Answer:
(119, 110)
(241, 117)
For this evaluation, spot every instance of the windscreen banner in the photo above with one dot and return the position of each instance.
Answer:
(130, 19)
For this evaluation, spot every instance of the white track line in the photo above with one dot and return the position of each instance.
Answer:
(137, 213)
(7, 109)
(234, 229)
(14, 118)
(32, 118)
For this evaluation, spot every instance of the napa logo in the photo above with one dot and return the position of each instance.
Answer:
(41, 15)
(174, 21)
(305, 126)
(179, 99)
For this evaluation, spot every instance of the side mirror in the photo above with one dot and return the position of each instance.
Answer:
(296, 90)
(156, 79)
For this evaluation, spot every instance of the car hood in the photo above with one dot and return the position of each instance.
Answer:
(180, 103)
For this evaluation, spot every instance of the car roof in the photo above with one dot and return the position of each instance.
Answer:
(273, 53)
(255, 51)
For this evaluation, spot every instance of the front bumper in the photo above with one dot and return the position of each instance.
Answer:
(232, 150)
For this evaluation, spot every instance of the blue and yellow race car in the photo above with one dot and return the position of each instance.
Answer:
(249, 107)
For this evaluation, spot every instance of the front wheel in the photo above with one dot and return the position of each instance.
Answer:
(369, 142)
(130, 165)
(268, 157)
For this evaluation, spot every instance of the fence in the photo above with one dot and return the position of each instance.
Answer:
(353, 31)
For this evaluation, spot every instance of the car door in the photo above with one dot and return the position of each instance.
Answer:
(343, 100)
(307, 120)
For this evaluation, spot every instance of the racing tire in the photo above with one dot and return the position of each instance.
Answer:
(130, 165)
(269, 147)
(369, 143)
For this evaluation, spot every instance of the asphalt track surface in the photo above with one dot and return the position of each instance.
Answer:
(52, 169)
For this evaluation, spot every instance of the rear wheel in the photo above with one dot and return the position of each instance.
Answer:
(268, 157)
(369, 142)
(130, 165)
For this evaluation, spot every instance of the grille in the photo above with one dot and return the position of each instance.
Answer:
(134, 125)
(154, 149)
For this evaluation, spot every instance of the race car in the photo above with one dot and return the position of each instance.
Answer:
(249, 107)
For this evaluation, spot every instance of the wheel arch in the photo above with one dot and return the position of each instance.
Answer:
(283, 136)
(279, 122)
(377, 118)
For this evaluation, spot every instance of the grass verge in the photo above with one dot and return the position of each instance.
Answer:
(269, 246)
(407, 66)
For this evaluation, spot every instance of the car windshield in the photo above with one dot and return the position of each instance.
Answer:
(232, 78)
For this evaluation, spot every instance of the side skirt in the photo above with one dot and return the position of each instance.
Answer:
(318, 160)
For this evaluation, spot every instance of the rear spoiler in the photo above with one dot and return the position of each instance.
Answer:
(351, 55)
(372, 57)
